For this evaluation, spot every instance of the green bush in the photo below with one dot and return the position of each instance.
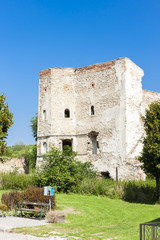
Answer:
(31, 157)
(139, 191)
(61, 170)
(15, 181)
(31, 194)
(98, 186)
(131, 191)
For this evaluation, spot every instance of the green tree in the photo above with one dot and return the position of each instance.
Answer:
(6, 121)
(31, 157)
(34, 124)
(62, 170)
(150, 156)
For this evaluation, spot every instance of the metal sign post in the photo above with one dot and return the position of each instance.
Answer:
(50, 203)
(49, 191)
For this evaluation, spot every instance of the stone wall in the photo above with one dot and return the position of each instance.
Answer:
(148, 97)
(14, 164)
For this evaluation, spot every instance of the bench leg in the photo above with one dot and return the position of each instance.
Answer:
(15, 211)
(40, 215)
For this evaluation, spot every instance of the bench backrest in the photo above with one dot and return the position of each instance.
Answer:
(36, 204)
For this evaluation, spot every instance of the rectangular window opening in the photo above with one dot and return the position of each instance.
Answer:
(92, 110)
(94, 144)
(67, 142)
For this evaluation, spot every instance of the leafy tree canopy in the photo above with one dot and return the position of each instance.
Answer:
(61, 170)
(150, 156)
(34, 124)
(6, 121)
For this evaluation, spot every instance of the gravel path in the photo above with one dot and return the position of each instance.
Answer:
(7, 223)
(15, 236)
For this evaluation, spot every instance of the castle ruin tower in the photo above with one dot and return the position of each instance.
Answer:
(96, 110)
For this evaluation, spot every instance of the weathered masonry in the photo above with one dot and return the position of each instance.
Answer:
(97, 111)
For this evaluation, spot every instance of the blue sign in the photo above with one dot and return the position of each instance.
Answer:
(48, 191)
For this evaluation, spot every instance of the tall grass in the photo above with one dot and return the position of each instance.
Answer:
(15, 181)
(138, 191)
(98, 186)
(131, 191)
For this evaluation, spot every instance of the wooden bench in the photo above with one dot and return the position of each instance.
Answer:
(30, 207)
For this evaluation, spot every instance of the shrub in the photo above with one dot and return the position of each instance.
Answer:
(36, 194)
(32, 194)
(139, 191)
(98, 186)
(131, 191)
(3, 207)
(15, 181)
(61, 170)
(11, 199)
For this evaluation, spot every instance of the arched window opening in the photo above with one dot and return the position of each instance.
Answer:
(44, 148)
(44, 115)
(67, 113)
(92, 110)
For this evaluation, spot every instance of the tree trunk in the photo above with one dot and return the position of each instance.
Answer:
(157, 187)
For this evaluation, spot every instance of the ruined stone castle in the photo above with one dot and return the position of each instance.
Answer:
(97, 111)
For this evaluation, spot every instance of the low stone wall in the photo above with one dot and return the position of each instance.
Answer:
(14, 164)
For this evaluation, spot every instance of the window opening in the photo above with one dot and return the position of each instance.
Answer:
(67, 113)
(44, 147)
(44, 114)
(92, 110)
(105, 174)
(66, 142)
(95, 144)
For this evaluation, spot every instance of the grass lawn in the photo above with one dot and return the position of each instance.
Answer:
(98, 218)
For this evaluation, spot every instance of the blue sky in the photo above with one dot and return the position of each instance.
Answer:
(38, 34)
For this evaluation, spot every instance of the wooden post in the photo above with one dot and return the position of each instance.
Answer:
(117, 177)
